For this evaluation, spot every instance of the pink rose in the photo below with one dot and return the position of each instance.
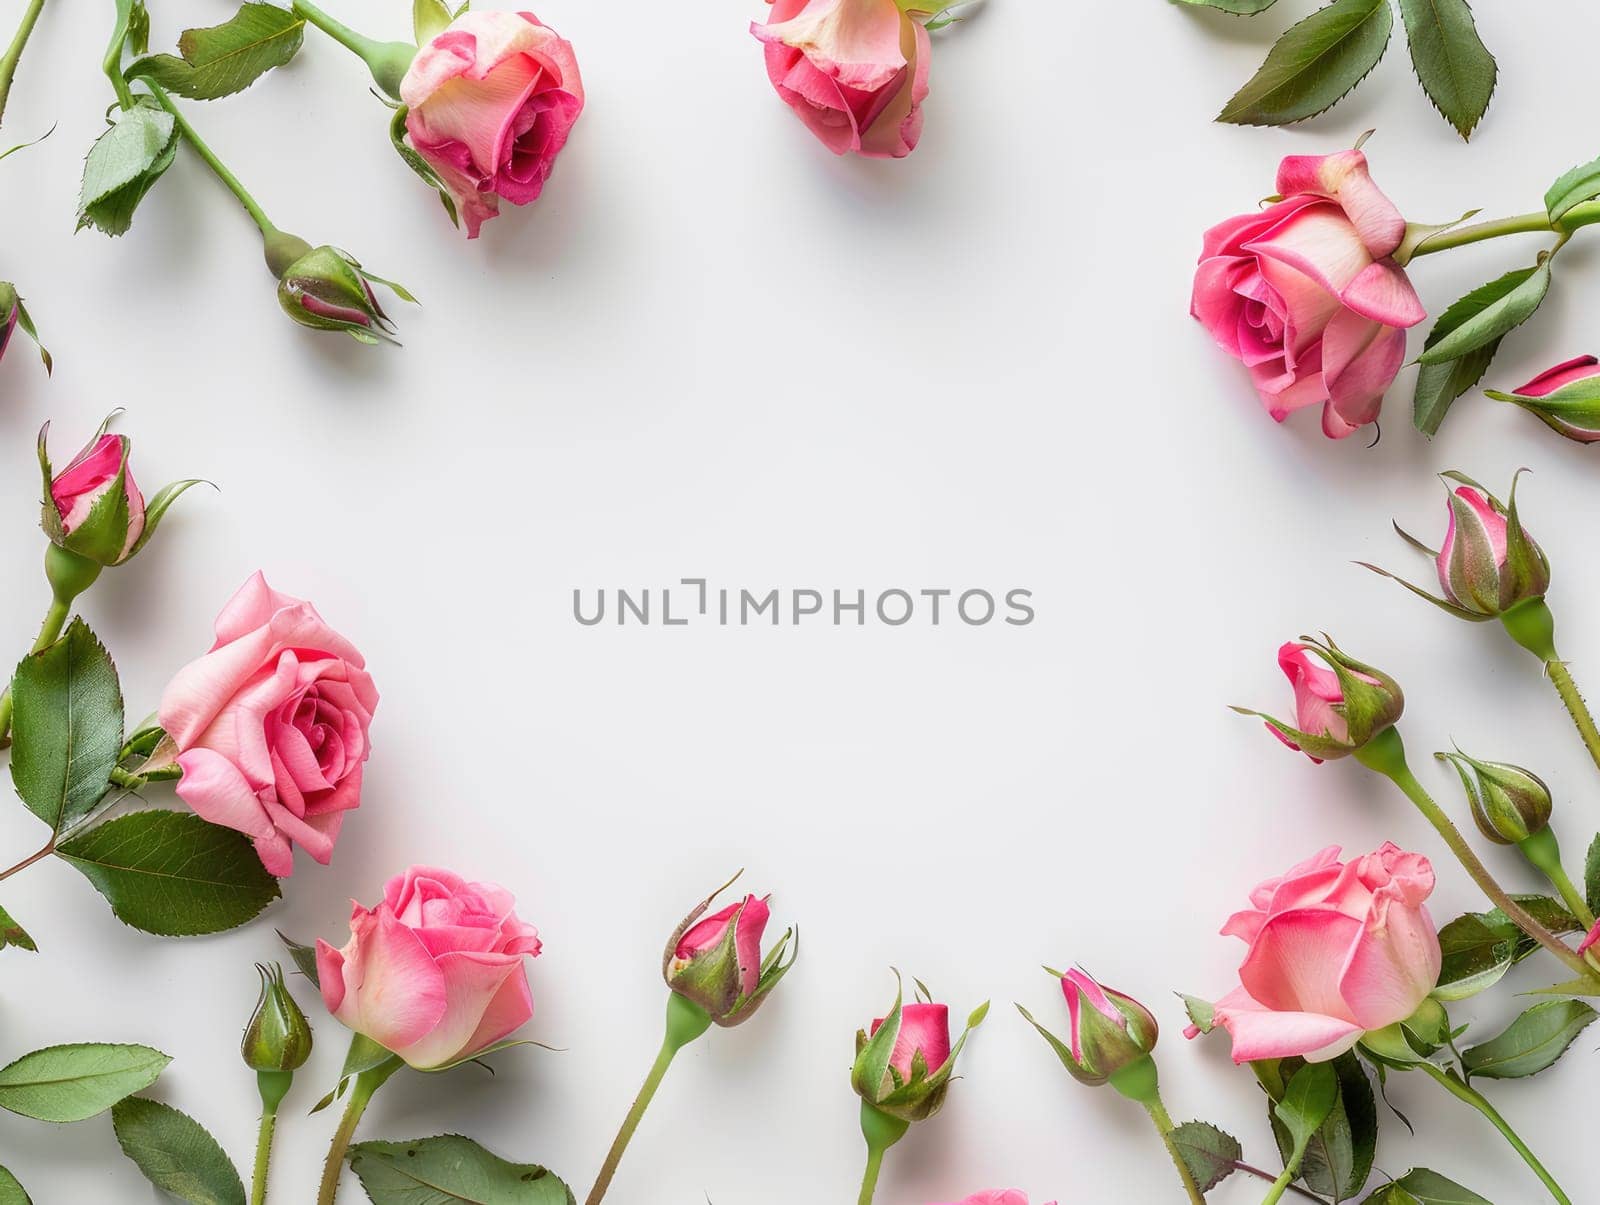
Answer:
(1566, 398)
(1474, 561)
(100, 508)
(434, 973)
(997, 1196)
(855, 71)
(924, 1030)
(1336, 949)
(492, 100)
(271, 726)
(1307, 295)
(1322, 727)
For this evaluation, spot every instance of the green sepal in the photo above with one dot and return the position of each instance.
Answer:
(397, 138)
(157, 508)
(1443, 604)
(429, 19)
(364, 1055)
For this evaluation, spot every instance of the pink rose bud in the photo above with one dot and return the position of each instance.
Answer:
(1110, 1037)
(1340, 705)
(1307, 295)
(434, 973)
(1566, 398)
(904, 1062)
(855, 71)
(1485, 567)
(717, 965)
(491, 101)
(1336, 951)
(270, 726)
(997, 1196)
(327, 290)
(14, 314)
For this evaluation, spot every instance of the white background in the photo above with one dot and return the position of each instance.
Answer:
(713, 350)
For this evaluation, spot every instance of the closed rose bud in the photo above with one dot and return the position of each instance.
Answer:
(1509, 804)
(1488, 562)
(854, 71)
(490, 102)
(716, 963)
(327, 290)
(1109, 1039)
(278, 1037)
(905, 1060)
(1565, 398)
(1340, 705)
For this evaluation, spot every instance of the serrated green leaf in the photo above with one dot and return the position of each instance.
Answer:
(1210, 1154)
(1420, 1186)
(13, 934)
(11, 1190)
(429, 18)
(67, 727)
(450, 1168)
(1532, 1042)
(175, 1153)
(1315, 64)
(1591, 875)
(1575, 187)
(1439, 386)
(1497, 309)
(171, 873)
(1454, 66)
(220, 60)
(75, 1082)
(124, 164)
(1241, 8)
(1309, 1098)
(1338, 1158)
(1476, 955)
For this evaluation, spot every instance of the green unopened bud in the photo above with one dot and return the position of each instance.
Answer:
(278, 1038)
(328, 290)
(1509, 804)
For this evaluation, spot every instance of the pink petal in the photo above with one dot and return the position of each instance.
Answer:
(1261, 1033)
(1562, 375)
(471, 984)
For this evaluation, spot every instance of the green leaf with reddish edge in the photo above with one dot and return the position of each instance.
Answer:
(1210, 1154)
(1453, 65)
(1314, 65)
(171, 873)
(13, 934)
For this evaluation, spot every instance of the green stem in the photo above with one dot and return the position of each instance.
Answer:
(686, 1021)
(881, 1132)
(1458, 1088)
(1163, 1124)
(1576, 707)
(361, 1092)
(38, 855)
(1385, 753)
(388, 61)
(127, 780)
(1281, 1184)
(54, 620)
(869, 1178)
(1532, 625)
(13, 55)
(258, 1183)
(1544, 854)
(112, 64)
(1523, 223)
(257, 214)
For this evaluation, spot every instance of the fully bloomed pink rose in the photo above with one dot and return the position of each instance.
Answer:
(855, 71)
(271, 726)
(97, 474)
(492, 99)
(1336, 949)
(434, 973)
(1307, 295)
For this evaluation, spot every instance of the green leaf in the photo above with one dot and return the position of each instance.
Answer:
(1491, 312)
(175, 1153)
(1440, 385)
(1210, 1154)
(429, 18)
(1456, 69)
(171, 873)
(1575, 187)
(1314, 64)
(305, 958)
(75, 1082)
(1338, 1159)
(11, 1190)
(67, 727)
(1243, 8)
(450, 1168)
(220, 60)
(1310, 1097)
(1591, 875)
(13, 934)
(1476, 954)
(124, 164)
(1419, 1186)
(1531, 1043)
